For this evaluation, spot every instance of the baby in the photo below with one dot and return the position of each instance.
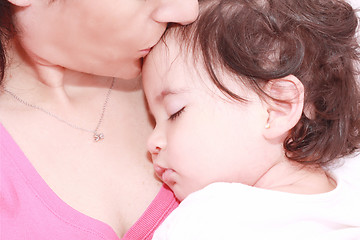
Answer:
(252, 103)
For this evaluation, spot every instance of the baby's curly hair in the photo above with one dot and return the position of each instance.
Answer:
(314, 40)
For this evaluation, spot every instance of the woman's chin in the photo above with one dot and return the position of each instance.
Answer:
(130, 72)
(127, 71)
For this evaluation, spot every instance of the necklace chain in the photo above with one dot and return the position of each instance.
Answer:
(97, 136)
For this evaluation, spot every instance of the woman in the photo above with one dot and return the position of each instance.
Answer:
(82, 171)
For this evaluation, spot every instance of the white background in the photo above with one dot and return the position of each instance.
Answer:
(351, 169)
(355, 3)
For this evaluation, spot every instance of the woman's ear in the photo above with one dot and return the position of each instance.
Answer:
(285, 110)
(20, 3)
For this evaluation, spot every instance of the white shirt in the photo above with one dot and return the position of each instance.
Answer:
(236, 211)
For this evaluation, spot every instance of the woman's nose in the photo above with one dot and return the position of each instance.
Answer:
(177, 11)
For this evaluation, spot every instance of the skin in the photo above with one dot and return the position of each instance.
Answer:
(135, 26)
(55, 63)
(202, 137)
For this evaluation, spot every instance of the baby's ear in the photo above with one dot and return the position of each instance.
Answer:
(20, 3)
(285, 110)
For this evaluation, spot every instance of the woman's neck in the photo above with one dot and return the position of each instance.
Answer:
(42, 82)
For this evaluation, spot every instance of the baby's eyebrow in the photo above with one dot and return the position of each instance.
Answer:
(167, 92)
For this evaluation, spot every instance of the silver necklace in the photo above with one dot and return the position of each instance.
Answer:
(96, 135)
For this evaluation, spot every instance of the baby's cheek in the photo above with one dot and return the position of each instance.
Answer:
(180, 142)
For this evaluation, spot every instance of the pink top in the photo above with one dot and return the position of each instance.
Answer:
(29, 209)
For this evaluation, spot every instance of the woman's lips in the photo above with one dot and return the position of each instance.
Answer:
(145, 52)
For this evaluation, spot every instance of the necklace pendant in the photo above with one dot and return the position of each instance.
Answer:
(98, 136)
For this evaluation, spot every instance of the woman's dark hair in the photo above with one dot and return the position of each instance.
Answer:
(6, 32)
(314, 40)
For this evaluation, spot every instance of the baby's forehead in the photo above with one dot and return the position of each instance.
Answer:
(169, 48)
(164, 59)
(170, 55)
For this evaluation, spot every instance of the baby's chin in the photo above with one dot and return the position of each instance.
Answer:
(180, 194)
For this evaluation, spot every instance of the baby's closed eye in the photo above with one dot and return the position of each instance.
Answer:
(177, 114)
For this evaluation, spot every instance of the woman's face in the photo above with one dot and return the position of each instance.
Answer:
(107, 37)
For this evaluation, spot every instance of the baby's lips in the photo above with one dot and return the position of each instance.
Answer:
(165, 174)
(167, 177)
(159, 170)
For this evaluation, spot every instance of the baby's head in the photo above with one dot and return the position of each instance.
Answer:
(252, 84)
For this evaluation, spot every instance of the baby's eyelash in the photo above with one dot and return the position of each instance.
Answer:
(177, 114)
